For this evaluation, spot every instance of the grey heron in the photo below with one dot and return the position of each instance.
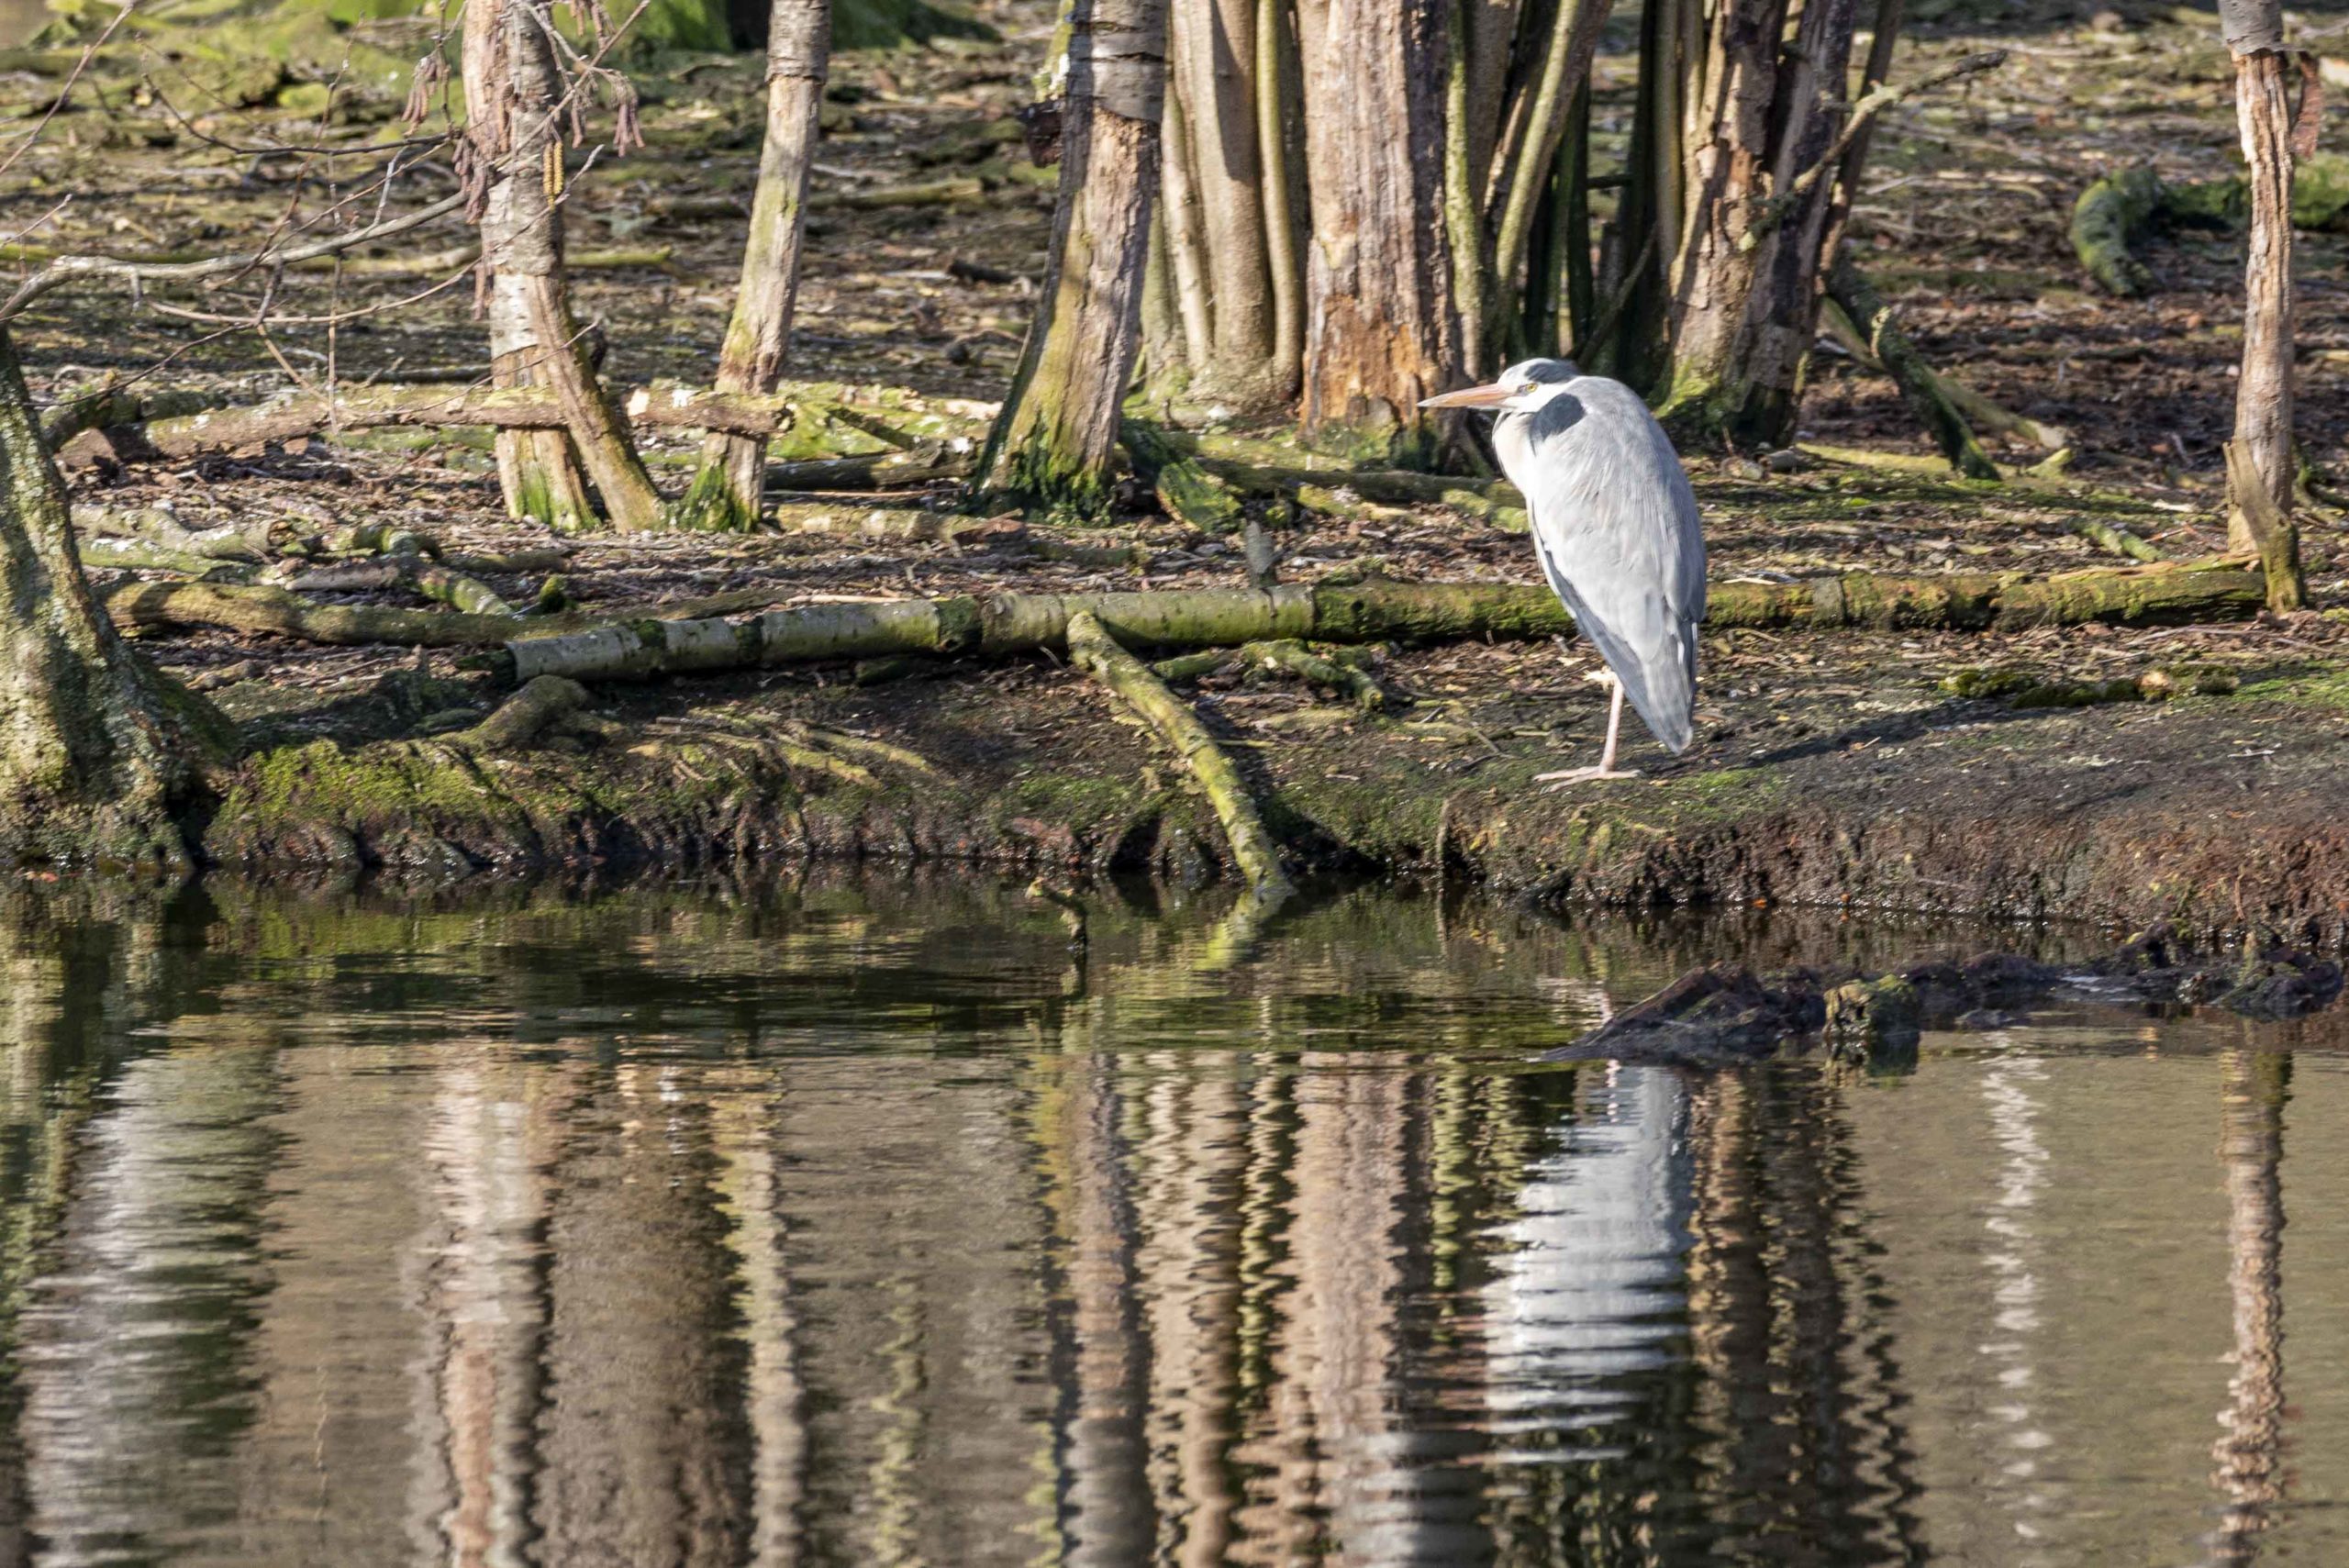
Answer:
(1616, 527)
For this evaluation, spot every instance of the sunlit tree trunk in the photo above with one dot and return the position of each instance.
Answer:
(1055, 440)
(727, 487)
(2261, 467)
(512, 91)
(1746, 279)
(1380, 331)
(95, 751)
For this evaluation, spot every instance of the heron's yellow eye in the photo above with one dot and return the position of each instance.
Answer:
(1528, 389)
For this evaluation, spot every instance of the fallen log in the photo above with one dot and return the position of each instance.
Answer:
(151, 607)
(669, 639)
(1092, 649)
(1374, 611)
(366, 408)
(2113, 213)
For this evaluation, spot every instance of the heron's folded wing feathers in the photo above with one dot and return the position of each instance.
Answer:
(1616, 527)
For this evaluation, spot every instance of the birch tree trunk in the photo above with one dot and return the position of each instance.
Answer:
(94, 755)
(1380, 329)
(727, 487)
(512, 90)
(1057, 435)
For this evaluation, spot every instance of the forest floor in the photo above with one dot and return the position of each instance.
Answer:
(1828, 767)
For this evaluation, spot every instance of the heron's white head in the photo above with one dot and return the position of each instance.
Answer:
(1520, 389)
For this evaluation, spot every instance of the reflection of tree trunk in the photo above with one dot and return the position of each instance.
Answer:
(1795, 1402)
(139, 1343)
(1192, 1148)
(1340, 1344)
(642, 1384)
(2250, 1474)
(743, 1130)
(496, 1133)
(1107, 1514)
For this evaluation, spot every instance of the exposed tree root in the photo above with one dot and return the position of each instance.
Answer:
(524, 717)
(1092, 649)
(1920, 389)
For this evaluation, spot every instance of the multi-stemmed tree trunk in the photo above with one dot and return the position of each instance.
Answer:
(727, 487)
(2260, 458)
(1216, 148)
(1381, 331)
(513, 94)
(95, 755)
(1759, 112)
(1055, 442)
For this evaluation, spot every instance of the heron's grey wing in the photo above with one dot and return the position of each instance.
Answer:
(1617, 530)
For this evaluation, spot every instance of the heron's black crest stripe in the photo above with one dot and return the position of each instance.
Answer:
(1555, 417)
(1548, 371)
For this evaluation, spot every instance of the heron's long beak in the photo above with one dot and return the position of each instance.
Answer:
(1469, 397)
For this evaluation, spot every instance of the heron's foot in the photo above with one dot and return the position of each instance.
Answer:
(1584, 775)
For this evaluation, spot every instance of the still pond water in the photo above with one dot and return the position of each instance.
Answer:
(863, 1224)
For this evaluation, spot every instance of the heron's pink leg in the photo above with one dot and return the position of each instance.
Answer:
(1606, 769)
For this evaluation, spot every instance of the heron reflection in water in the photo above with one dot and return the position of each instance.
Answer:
(1616, 527)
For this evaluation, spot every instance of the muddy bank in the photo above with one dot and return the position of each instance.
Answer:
(1861, 784)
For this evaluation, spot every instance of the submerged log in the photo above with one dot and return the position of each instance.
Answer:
(1728, 1013)
(1099, 655)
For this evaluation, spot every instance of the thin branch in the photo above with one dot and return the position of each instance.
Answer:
(1872, 104)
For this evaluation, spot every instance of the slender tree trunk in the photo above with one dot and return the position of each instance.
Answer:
(1380, 328)
(1565, 67)
(2263, 117)
(95, 753)
(1057, 435)
(727, 488)
(1186, 244)
(1212, 61)
(1278, 143)
(512, 89)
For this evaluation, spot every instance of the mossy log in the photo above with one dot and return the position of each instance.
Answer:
(2115, 212)
(524, 717)
(2120, 541)
(1386, 487)
(2106, 218)
(1376, 611)
(1092, 649)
